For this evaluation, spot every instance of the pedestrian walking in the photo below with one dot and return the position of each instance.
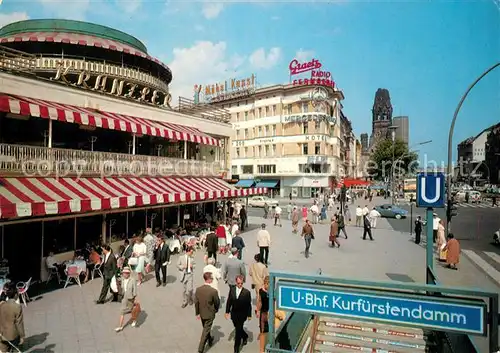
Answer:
(185, 265)
(211, 243)
(12, 332)
(315, 213)
(264, 242)
(373, 215)
(289, 210)
(238, 243)
(243, 218)
(206, 306)
(128, 291)
(239, 309)
(304, 213)
(258, 271)
(295, 219)
(452, 249)
(435, 226)
(108, 269)
(367, 228)
(359, 216)
(277, 216)
(341, 224)
(347, 215)
(162, 258)
(308, 235)
(233, 268)
(334, 231)
(418, 229)
(266, 210)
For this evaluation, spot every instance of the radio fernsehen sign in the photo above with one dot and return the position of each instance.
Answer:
(317, 76)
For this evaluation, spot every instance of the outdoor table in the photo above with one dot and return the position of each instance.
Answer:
(81, 264)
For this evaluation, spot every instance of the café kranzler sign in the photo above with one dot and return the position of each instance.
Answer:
(317, 77)
(110, 85)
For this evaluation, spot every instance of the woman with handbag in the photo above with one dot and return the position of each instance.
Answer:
(129, 293)
(138, 259)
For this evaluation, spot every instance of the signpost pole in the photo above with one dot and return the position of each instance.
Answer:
(272, 329)
(429, 248)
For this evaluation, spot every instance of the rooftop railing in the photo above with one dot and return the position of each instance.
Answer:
(34, 161)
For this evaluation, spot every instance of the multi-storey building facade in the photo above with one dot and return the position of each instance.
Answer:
(91, 149)
(287, 140)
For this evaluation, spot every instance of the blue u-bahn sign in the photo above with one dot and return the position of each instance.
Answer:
(465, 316)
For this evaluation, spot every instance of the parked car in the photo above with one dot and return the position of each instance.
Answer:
(391, 211)
(475, 196)
(260, 201)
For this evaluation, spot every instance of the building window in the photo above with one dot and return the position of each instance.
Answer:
(273, 150)
(237, 153)
(246, 116)
(234, 169)
(237, 134)
(289, 109)
(260, 131)
(267, 111)
(247, 169)
(237, 116)
(266, 169)
(260, 151)
(305, 107)
(317, 126)
(274, 130)
(317, 148)
(274, 109)
(246, 152)
(267, 132)
(305, 149)
(246, 136)
(266, 149)
(305, 128)
(260, 112)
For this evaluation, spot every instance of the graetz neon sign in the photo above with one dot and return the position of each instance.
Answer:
(318, 77)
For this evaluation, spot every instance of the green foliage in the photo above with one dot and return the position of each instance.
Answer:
(405, 162)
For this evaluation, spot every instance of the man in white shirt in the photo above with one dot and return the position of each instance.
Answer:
(315, 213)
(435, 226)
(366, 211)
(234, 229)
(216, 274)
(263, 242)
(359, 216)
(373, 215)
(289, 210)
(277, 215)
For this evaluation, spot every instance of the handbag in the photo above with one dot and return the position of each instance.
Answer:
(136, 310)
(133, 261)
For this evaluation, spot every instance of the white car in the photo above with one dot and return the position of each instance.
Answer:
(260, 201)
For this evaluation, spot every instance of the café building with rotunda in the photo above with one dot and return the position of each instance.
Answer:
(92, 146)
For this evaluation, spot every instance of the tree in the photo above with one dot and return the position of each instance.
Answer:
(381, 160)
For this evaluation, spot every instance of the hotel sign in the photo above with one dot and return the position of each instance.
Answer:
(229, 89)
(317, 77)
(68, 74)
(301, 118)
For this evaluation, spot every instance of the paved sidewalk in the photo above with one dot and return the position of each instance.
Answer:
(67, 320)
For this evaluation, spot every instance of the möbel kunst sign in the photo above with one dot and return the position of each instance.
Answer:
(318, 77)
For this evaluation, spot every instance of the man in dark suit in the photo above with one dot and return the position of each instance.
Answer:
(11, 320)
(239, 306)
(367, 228)
(206, 305)
(162, 257)
(238, 243)
(127, 252)
(212, 245)
(243, 218)
(109, 268)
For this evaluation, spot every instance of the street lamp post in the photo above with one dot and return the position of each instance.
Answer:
(392, 128)
(450, 136)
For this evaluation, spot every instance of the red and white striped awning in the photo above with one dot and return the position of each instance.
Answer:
(78, 39)
(29, 197)
(106, 120)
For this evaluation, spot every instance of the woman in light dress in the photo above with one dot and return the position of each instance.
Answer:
(139, 251)
(441, 241)
(229, 236)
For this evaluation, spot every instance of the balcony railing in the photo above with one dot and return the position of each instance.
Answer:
(14, 60)
(57, 162)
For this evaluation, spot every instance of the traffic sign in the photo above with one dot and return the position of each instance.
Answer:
(386, 307)
(430, 190)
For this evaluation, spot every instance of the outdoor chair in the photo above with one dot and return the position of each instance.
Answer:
(22, 289)
(72, 272)
(97, 268)
(53, 273)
